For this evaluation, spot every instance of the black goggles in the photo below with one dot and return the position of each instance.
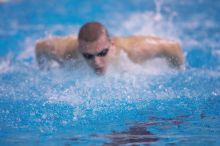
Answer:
(103, 53)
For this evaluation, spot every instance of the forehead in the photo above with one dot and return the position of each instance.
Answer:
(96, 46)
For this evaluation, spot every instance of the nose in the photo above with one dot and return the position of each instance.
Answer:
(97, 61)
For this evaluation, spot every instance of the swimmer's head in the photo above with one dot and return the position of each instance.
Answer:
(95, 46)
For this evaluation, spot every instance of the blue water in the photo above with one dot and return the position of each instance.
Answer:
(132, 104)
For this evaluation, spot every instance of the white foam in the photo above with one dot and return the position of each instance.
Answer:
(5, 64)
(124, 83)
(149, 67)
(28, 52)
(147, 23)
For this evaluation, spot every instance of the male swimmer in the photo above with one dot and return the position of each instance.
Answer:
(98, 49)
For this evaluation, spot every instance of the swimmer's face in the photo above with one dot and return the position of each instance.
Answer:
(97, 53)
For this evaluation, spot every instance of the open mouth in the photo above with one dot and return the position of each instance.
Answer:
(99, 70)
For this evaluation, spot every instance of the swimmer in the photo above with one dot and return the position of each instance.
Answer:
(98, 49)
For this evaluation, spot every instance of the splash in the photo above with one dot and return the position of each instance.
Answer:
(158, 15)
(5, 64)
(73, 106)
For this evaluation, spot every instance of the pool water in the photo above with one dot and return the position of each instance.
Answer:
(148, 104)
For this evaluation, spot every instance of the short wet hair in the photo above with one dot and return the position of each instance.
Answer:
(91, 31)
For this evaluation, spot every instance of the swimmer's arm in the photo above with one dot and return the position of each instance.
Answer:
(56, 49)
(45, 53)
(142, 48)
(171, 50)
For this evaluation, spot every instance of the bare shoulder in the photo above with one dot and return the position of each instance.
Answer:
(141, 48)
(56, 42)
(134, 46)
(135, 41)
(56, 45)
(55, 48)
